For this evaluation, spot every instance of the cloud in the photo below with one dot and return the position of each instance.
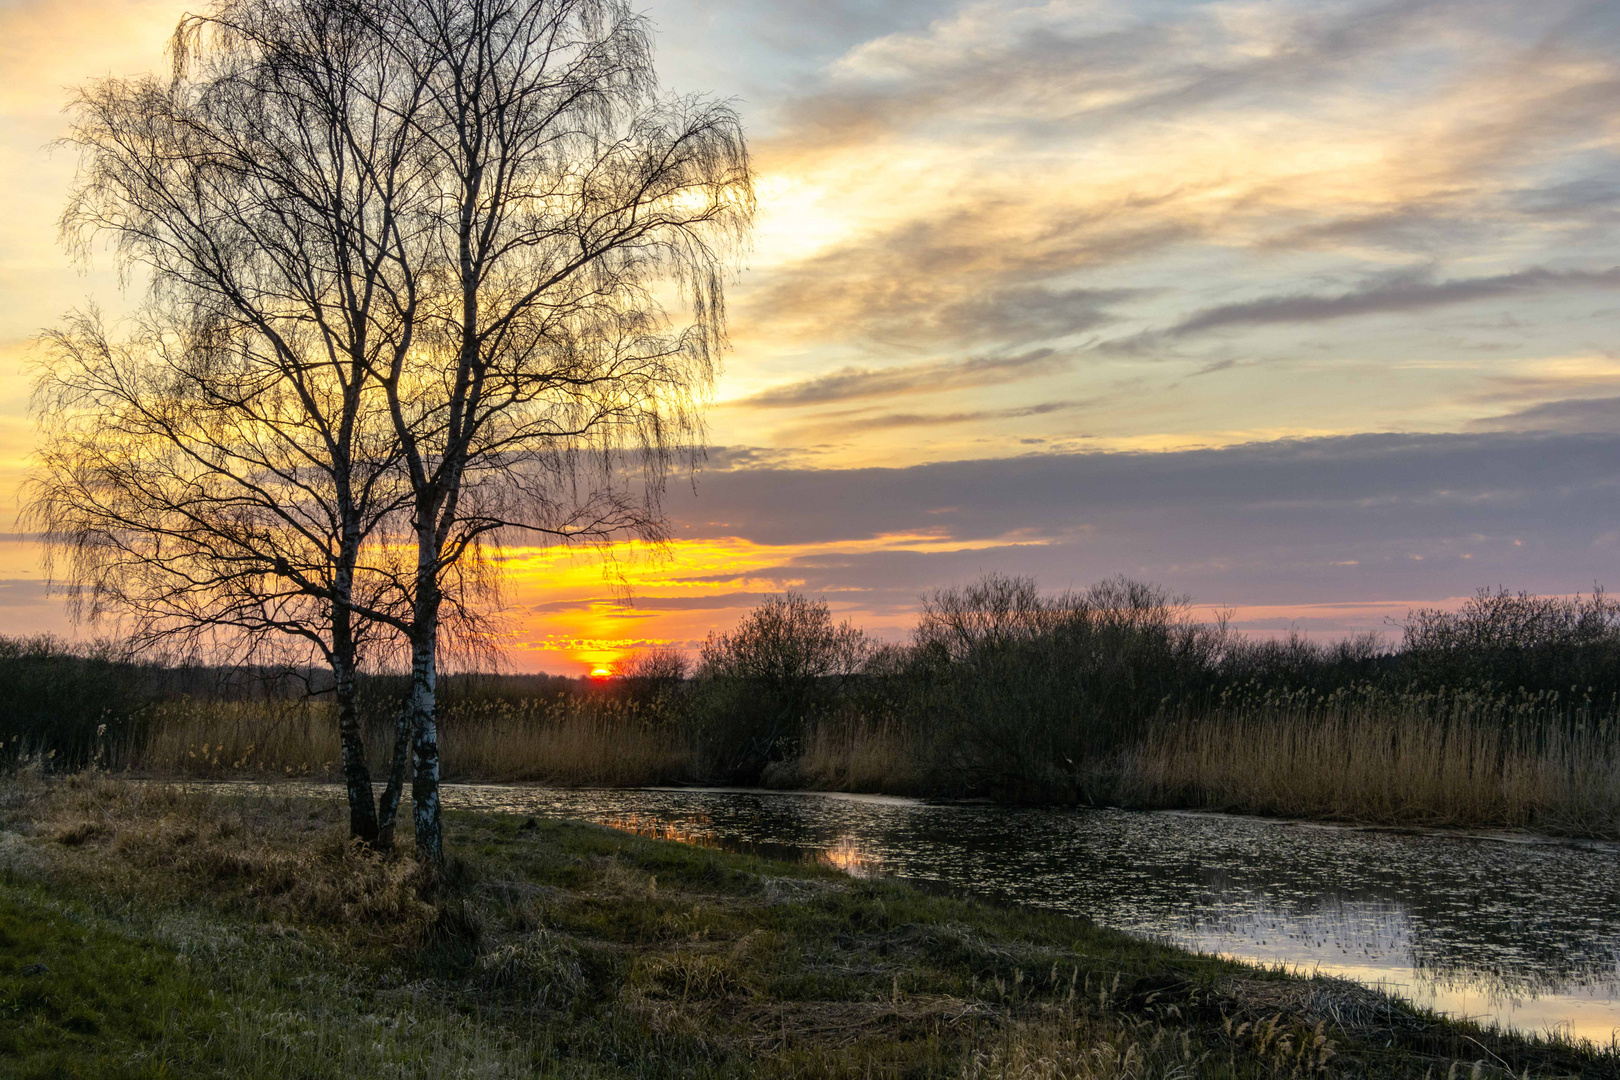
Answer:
(848, 384)
(1570, 415)
(713, 602)
(987, 272)
(1322, 519)
(23, 593)
(1080, 177)
(1400, 294)
(857, 422)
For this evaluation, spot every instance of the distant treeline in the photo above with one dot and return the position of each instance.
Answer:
(1002, 691)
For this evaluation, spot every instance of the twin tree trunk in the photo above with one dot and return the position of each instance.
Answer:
(416, 732)
(372, 821)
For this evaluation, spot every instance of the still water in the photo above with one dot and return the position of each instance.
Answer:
(1522, 932)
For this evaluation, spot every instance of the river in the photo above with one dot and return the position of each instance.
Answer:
(1511, 929)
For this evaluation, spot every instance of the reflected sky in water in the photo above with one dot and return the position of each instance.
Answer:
(1523, 933)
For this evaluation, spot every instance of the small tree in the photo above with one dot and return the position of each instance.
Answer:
(656, 674)
(785, 660)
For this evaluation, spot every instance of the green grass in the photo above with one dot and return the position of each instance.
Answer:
(188, 934)
(78, 1000)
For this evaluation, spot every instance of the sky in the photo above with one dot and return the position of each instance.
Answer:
(1308, 311)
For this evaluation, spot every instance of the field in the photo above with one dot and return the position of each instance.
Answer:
(148, 930)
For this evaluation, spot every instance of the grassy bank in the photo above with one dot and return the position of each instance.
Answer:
(151, 931)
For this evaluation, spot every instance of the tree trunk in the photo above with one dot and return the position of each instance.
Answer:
(425, 742)
(356, 775)
(388, 809)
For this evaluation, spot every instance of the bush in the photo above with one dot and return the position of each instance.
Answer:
(1022, 693)
(1515, 641)
(786, 662)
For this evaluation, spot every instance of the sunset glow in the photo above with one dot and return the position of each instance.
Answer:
(1305, 310)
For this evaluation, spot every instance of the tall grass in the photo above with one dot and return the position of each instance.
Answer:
(562, 740)
(567, 740)
(202, 737)
(1461, 759)
(869, 756)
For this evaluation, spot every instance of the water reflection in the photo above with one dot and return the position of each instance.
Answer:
(843, 854)
(1523, 933)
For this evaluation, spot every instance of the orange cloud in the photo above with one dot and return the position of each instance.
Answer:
(575, 610)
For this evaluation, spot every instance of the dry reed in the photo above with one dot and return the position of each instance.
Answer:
(1386, 761)
(865, 756)
(566, 741)
(189, 737)
(571, 741)
(1451, 760)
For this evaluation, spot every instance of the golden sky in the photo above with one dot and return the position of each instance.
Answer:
(1307, 309)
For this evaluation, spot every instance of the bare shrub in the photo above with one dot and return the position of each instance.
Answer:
(784, 664)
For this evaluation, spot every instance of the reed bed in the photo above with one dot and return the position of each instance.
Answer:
(868, 756)
(1459, 760)
(569, 741)
(1462, 760)
(212, 738)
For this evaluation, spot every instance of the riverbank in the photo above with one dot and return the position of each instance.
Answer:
(152, 931)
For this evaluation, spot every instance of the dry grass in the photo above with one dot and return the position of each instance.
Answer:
(1383, 764)
(569, 741)
(573, 741)
(188, 737)
(269, 857)
(1062, 1052)
(866, 756)
(216, 948)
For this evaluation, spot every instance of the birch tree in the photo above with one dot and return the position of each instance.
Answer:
(584, 231)
(217, 470)
(427, 277)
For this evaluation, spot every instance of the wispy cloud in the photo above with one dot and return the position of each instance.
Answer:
(1394, 295)
(850, 384)
(855, 422)
(1569, 415)
(706, 602)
